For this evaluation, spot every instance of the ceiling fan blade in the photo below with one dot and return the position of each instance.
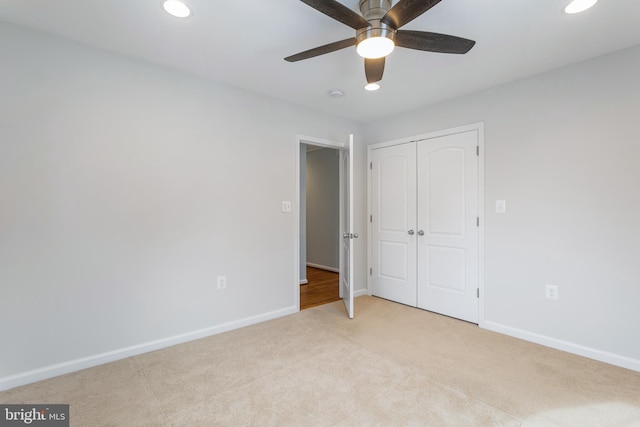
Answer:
(373, 69)
(321, 50)
(433, 42)
(407, 10)
(339, 12)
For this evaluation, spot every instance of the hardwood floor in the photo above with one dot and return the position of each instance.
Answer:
(323, 288)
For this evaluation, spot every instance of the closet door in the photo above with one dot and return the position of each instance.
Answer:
(447, 229)
(393, 223)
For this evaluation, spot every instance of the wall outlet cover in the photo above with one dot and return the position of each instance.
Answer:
(221, 282)
(551, 291)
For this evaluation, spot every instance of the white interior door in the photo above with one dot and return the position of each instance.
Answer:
(346, 225)
(448, 232)
(393, 223)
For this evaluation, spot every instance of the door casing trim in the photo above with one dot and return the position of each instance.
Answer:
(320, 142)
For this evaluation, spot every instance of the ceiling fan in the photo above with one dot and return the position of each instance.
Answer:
(378, 32)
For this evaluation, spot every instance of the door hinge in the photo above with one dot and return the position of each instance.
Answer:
(478, 292)
(477, 150)
(370, 218)
(371, 272)
(478, 221)
(371, 165)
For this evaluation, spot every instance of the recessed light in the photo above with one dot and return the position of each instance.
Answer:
(577, 6)
(372, 86)
(176, 8)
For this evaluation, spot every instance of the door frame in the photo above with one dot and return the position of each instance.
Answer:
(479, 127)
(320, 142)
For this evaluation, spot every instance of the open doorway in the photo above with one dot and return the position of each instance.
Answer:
(319, 225)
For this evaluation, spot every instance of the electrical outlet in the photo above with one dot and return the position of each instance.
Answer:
(222, 282)
(551, 291)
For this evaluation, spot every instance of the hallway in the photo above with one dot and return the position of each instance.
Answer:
(322, 288)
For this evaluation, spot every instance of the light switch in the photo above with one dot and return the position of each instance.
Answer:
(286, 206)
(501, 206)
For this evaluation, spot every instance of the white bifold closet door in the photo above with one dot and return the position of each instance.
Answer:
(424, 224)
(393, 219)
(447, 243)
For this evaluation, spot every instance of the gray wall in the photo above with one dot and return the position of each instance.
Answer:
(126, 189)
(562, 149)
(323, 204)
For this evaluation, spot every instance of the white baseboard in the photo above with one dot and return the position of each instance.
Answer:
(47, 372)
(580, 350)
(323, 267)
(360, 292)
(304, 281)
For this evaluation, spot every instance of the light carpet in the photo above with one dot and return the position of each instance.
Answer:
(390, 366)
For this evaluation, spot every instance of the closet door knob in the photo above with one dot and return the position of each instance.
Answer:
(411, 232)
(421, 233)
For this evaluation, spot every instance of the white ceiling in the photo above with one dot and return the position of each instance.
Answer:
(243, 43)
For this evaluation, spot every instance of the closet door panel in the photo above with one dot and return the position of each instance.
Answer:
(393, 216)
(447, 201)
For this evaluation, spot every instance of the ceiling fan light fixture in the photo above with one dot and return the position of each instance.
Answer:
(375, 47)
(577, 6)
(176, 8)
(378, 30)
(372, 87)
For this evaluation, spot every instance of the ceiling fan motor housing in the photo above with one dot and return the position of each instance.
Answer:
(373, 11)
